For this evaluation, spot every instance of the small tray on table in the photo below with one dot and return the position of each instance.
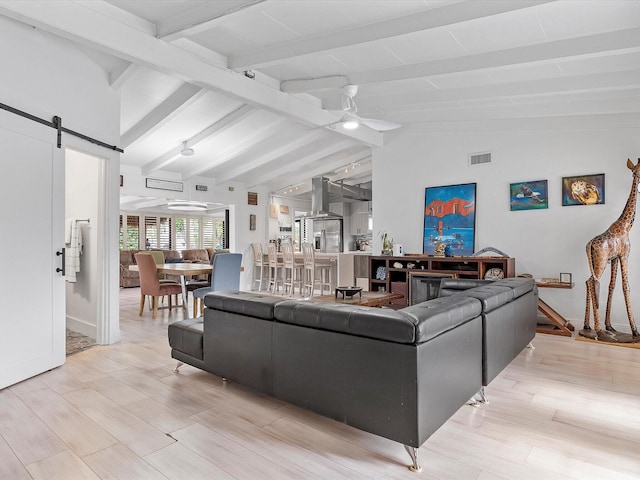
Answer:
(348, 291)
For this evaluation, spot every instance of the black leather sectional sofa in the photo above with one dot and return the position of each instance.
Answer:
(398, 374)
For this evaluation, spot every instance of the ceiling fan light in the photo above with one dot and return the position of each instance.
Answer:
(350, 123)
(187, 206)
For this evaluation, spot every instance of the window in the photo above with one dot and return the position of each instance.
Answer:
(169, 232)
(129, 232)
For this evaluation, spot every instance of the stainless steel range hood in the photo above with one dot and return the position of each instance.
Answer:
(324, 192)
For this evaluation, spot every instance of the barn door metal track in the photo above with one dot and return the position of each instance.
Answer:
(56, 123)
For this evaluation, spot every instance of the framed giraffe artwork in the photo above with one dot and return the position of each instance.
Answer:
(583, 190)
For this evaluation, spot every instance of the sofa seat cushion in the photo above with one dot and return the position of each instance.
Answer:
(519, 285)
(491, 296)
(244, 303)
(438, 315)
(186, 336)
(379, 323)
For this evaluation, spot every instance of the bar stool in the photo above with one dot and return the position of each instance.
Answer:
(259, 266)
(275, 268)
(291, 270)
(310, 270)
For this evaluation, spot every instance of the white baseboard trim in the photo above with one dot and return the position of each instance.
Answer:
(81, 326)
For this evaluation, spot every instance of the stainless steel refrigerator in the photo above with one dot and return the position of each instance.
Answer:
(327, 235)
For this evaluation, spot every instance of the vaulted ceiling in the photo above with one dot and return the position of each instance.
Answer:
(255, 87)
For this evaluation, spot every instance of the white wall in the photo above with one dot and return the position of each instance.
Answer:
(82, 185)
(544, 242)
(47, 76)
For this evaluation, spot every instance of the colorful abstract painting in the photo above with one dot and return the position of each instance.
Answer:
(450, 218)
(529, 195)
(583, 190)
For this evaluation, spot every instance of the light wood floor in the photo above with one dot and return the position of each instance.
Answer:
(566, 410)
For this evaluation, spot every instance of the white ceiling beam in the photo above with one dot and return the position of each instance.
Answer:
(193, 48)
(426, 20)
(186, 95)
(110, 10)
(290, 161)
(221, 125)
(527, 108)
(235, 149)
(74, 22)
(200, 18)
(610, 81)
(122, 74)
(590, 45)
(329, 162)
(286, 165)
(266, 154)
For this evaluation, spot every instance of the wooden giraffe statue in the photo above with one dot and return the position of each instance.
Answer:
(612, 245)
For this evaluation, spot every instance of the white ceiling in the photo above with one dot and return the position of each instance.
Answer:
(180, 68)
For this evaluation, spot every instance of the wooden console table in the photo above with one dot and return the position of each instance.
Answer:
(559, 325)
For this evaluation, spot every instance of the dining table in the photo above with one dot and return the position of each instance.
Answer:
(183, 270)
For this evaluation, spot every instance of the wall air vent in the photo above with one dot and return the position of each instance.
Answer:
(479, 158)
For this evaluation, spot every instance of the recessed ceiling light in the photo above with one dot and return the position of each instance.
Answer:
(186, 151)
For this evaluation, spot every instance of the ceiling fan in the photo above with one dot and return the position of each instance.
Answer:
(351, 120)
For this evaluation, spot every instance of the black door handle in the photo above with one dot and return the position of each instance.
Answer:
(58, 253)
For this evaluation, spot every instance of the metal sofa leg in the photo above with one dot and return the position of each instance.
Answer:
(178, 366)
(530, 345)
(475, 402)
(413, 453)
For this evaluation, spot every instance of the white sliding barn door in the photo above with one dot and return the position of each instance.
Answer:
(32, 326)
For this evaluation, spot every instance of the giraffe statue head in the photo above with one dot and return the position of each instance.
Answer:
(634, 168)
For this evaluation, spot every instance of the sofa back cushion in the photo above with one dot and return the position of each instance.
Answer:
(198, 255)
(412, 325)
(519, 285)
(380, 323)
(491, 296)
(251, 304)
(439, 315)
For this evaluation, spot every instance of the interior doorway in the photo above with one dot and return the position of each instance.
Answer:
(83, 234)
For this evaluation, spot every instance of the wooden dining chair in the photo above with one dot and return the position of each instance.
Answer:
(158, 257)
(150, 285)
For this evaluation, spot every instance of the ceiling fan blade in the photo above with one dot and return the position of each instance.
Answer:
(380, 125)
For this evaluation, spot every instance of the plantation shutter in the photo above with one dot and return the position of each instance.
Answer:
(194, 233)
(208, 233)
(165, 233)
(151, 232)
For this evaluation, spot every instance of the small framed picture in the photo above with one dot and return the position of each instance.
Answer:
(252, 222)
(565, 278)
(583, 190)
(528, 195)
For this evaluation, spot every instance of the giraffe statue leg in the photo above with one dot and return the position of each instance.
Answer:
(612, 286)
(587, 310)
(595, 295)
(627, 297)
